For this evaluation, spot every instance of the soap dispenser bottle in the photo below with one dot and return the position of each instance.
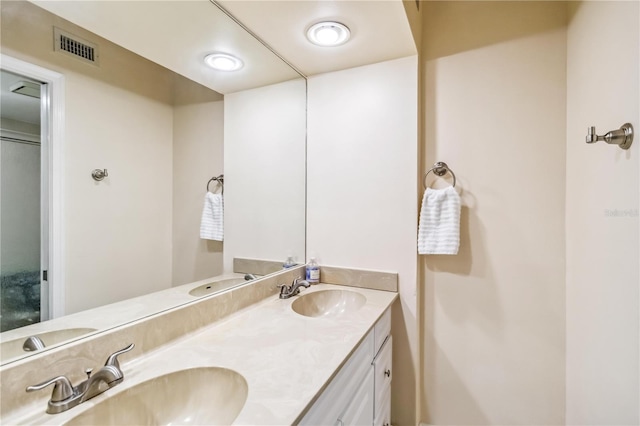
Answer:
(289, 263)
(313, 271)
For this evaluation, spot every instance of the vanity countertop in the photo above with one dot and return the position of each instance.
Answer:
(286, 358)
(110, 315)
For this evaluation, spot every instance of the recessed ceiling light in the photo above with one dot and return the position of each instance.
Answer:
(223, 62)
(328, 34)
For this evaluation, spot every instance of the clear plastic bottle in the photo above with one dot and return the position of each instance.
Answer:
(313, 271)
(289, 263)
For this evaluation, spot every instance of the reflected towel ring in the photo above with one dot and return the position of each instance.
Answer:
(219, 179)
(439, 169)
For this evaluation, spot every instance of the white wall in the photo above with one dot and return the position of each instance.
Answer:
(264, 205)
(198, 150)
(118, 116)
(603, 276)
(493, 330)
(118, 231)
(361, 187)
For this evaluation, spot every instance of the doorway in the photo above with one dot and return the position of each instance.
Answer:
(23, 228)
(31, 194)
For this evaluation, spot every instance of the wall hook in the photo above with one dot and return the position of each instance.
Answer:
(623, 137)
(98, 174)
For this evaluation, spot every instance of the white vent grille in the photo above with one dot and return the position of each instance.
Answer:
(75, 46)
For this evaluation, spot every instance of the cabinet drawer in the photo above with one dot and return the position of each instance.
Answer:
(383, 372)
(381, 330)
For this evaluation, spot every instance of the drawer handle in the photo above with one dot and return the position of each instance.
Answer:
(386, 424)
(387, 373)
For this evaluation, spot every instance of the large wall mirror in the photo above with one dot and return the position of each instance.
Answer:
(149, 111)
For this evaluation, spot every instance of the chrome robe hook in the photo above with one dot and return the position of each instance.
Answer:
(623, 137)
(98, 174)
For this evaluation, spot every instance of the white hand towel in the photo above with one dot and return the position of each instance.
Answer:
(212, 223)
(439, 229)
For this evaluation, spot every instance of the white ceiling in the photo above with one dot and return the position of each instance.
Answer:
(379, 30)
(15, 106)
(178, 34)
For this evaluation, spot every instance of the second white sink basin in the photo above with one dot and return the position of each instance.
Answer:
(197, 396)
(328, 303)
(214, 286)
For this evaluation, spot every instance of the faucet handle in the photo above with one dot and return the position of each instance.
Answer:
(113, 358)
(61, 391)
(284, 289)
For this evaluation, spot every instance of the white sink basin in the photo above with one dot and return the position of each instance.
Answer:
(328, 303)
(198, 396)
(214, 286)
(13, 348)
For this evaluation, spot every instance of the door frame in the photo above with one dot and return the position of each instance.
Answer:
(52, 178)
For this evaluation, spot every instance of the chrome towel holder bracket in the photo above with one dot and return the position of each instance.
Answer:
(623, 137)
(219, 179)
(439, 169)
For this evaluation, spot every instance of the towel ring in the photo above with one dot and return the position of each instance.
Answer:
(219, 179)
(439, 169)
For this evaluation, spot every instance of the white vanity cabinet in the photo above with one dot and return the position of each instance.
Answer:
(382, 370)
(382, 380)
(360, 393)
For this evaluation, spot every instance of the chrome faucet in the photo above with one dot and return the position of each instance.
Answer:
(293, 290)
(249, 277)
(66, 396)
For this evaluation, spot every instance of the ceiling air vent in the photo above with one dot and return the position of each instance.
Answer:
(75, 46)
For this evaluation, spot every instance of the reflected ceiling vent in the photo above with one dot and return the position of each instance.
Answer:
(26, 88)
(75, 46)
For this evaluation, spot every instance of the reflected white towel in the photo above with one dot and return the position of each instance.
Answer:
(439, 229)
(212, 223)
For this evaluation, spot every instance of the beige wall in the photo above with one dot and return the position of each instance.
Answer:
(602, 216)
(159, 135)
(414, 19)
(117, 116)
(494, 110)
(264, 159)
(361, 186)
(197, 157)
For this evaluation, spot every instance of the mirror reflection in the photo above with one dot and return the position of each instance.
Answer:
(130, 244)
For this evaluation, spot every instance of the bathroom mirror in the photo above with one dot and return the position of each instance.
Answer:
(162, 124)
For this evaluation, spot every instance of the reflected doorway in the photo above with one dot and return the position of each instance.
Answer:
(23, 185)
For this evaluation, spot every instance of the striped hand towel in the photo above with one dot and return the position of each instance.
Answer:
(212, 223)
(439, 228)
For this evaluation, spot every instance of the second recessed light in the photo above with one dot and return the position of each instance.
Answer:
(328, 34)
(223, 62)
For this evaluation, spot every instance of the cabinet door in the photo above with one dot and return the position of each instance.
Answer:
(383, 376)
(383, 409)
(337, 395)
(360, 409)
